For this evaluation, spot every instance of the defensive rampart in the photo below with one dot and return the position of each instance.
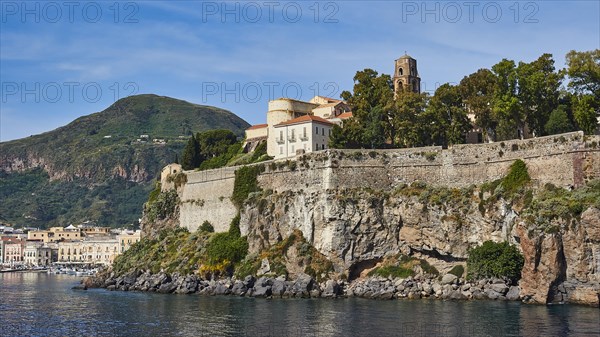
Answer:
(567, 160)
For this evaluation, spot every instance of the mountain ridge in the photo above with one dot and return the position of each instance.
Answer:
(101, 151)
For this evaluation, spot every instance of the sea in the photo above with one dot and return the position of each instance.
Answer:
(40, 304)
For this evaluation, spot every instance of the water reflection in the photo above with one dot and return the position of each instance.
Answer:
(44, 305)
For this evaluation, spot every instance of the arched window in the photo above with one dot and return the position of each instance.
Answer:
(400, 71)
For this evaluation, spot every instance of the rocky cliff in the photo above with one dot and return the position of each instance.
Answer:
(357, 229)
(359, 209)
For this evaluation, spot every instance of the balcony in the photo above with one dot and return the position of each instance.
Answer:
(304, 137)
(292, 139)
(279, 140)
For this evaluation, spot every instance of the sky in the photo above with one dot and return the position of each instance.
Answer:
(62, 60)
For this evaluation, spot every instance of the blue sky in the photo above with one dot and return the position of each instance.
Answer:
(62, 60)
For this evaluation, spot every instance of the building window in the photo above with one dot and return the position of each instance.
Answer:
(280, 134)
(401, 71)
(281, 150)
(293, 151)
(322, 146)
(317, 130)
(304, 132)
(323, 131)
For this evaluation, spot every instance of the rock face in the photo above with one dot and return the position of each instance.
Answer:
(357, 229)
(563, 266)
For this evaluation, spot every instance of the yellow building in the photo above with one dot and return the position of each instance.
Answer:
(95, 231)
(97, 250)
(54, 234)
(127, 239)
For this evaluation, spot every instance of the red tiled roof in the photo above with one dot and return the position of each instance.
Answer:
(345, 115)
(326, 105)
(257, 126)
(305, 119)
(330, 99)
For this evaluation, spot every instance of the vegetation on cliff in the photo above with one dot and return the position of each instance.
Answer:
(174, 250)
(552, 204)
(178, 250)
(291, 255)
(245, 183)
(225, 250)
(402, 266)
(219, 148)
(161, 205)
(95, 168)
(493, 259)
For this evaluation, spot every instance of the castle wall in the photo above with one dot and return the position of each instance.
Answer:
(564, 160)
(206, 197)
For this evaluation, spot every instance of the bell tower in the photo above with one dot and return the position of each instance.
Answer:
(406, 76)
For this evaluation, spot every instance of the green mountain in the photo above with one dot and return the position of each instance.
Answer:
(100, 167)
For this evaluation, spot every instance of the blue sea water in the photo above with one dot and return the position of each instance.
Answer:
(37, 304)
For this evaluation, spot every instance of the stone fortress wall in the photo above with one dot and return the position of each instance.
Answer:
(567, 160)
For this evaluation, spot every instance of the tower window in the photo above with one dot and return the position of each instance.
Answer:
(401, 71)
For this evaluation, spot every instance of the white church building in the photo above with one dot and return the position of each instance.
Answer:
(295, 127)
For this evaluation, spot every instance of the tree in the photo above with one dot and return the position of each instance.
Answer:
(477, 91)
(583, 69)
(215, 142)
(372, 102)
(584, 112)
(448, 118)
(408, 120)
(507, 109)
(539, 85)
(558, 122)
(190, 159)
(348, 137)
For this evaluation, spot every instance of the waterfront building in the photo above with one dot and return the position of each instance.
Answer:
(96, 250)
(128, 238)
(12, 250)
(37, 254)
(54, 234)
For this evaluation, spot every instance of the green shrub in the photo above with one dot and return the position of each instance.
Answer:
(163, 206)
(245, 183)
(224, 247)
(207, 227)
(495, 260)
(427, 268)
(393, 271)
(457, 270)
(154, 194)
(227, 247)
(516, 178)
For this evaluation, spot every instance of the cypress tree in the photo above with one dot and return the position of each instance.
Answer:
(189, 158)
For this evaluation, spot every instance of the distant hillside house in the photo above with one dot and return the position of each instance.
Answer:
(295, 127)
